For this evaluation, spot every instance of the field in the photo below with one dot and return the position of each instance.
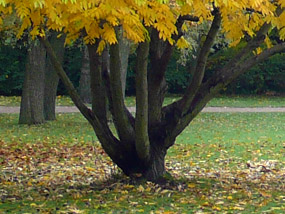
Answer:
(222, 163)
(221, 101)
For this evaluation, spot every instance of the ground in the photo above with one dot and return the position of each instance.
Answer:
(223, 163)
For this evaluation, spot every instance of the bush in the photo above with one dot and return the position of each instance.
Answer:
(72, 65)
(12, 67)
(267, 76)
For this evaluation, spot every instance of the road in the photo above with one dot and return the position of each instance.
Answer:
(73, 109)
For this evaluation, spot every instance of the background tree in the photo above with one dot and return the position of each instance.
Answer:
(84, 82)
(32, 102)
(155, 26)
(40, 83)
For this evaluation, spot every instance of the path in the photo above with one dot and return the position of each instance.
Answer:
(72, 109)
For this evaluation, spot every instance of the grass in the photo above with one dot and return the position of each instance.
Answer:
(221, 101)
(222, 163)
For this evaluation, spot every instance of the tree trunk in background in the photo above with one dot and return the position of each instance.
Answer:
(84, 82)
(51, 77)
(32, 105)
(124, 45)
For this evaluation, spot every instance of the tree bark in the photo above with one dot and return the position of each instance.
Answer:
(121, 120)
(141, 125)
(160, 53)
(32, 103)
(84, 82)
(51, 77)
(199, 69)
(98, 94)
(124, 46)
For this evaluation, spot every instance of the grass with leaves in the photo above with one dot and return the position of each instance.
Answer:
(220, 101)
(222, 163)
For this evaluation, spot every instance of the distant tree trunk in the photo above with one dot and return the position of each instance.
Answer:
(124, 45)
(84, 82)
(51, 77)
(32, 105)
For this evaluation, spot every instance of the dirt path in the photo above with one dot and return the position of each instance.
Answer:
(72, 109)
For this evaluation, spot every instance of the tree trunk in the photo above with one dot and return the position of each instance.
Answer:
(156, 167)
(32, 103)
(51, 77)
(84, 82)
(133, 166)
(124, 45)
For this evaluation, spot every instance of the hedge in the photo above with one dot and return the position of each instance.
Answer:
(267, 76)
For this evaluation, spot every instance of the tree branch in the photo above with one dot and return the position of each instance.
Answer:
(110, 144)
(253, 43)
(123, 125)
(229, 75)
(89, 115)
(208, 90)
(199, 69)
(97, 84)
(160, 54)
(141, 124)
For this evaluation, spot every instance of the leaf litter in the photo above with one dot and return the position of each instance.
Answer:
(60, 178)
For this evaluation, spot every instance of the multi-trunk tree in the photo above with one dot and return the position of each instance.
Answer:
(141, 142)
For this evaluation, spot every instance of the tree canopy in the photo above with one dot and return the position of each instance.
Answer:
(97, 19)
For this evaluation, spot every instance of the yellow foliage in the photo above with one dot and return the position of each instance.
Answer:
(98, 18)
(182, 43)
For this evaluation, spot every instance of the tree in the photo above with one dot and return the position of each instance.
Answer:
(84, 82)
(40, 83)
(32, 103)
(156, 26)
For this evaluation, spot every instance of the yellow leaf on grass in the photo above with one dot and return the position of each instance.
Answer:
(191, 185)
(265, 194)
(90, 169)
(216, 208)
(238, 208)
(140, 188)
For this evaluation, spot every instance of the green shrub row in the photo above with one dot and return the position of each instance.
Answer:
(267, 76)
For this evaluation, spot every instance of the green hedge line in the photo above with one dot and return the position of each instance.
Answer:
(267, 76)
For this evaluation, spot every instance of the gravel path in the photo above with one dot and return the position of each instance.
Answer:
(71, 109)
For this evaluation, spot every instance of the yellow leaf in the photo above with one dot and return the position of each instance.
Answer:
(216, 208)
(238, 208)
(140, 188)
(182, 43)
(191, 185)
(90, 169)
(265, 194)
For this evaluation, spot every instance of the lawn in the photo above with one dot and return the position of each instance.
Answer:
(222, 163)
(221, 101)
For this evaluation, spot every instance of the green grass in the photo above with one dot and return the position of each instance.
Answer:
(248, 101)
(16, 100)
(230, 101)
(59, 167)
(221, 101)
